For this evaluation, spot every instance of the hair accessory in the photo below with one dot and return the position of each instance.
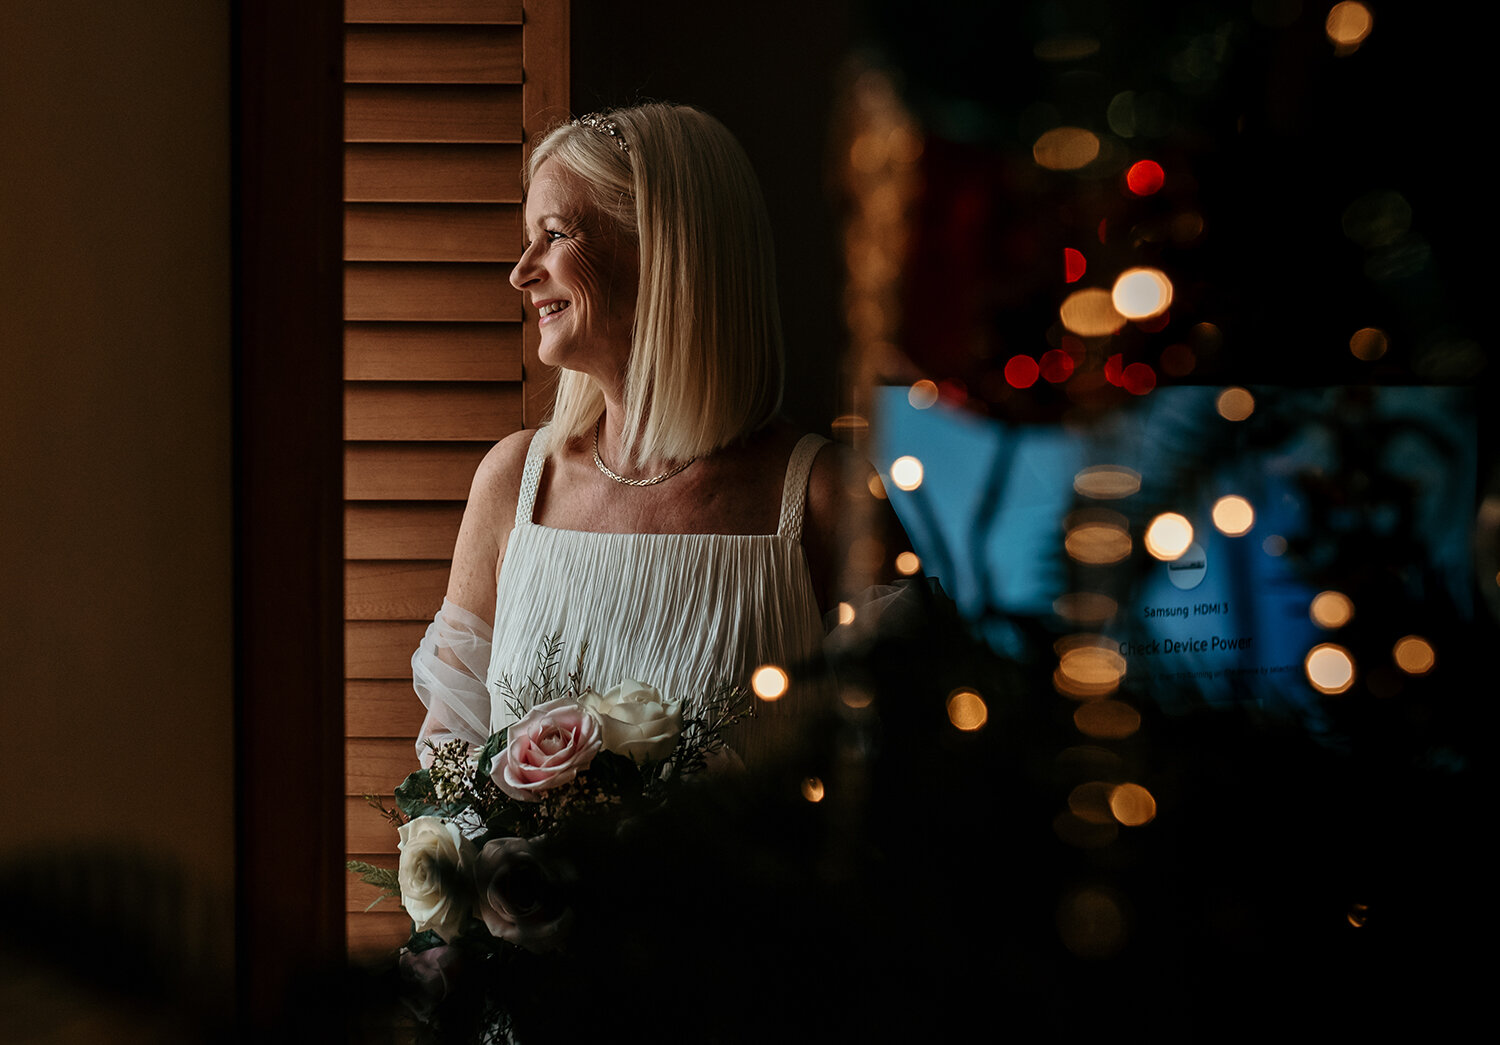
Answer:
(632, 482)
(604, 125)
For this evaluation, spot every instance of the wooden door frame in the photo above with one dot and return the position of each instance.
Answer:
(288, 478)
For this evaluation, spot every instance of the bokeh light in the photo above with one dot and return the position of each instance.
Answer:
(1145, 177)
(1092, 666)
(1066, 149)
(1083, 833)
(769, 682)
(907, 563)
(1091, 313)
(1178, 360)
(922, 394)
(1091, 923)
(1074, 265)
(1274, 545)
(1065, 48)
(1414, 655)
(1085, 607)
(1233, 516)
(1168, 536)
(1056, 366)
(1021, 371)
(1329, 667)
(1132, 805)
(1090, 802)
(1114, 366)
(1358, 915)
(855, 697)
(1138, 379)
(1097, 538)
(1347, 25)
(1106, 482)
(1331, 609)
(906, 472)
(966, 710)
(1235, 403)
(1141, 293)
(1107, 719)
(875, 486)
(812, 789)
(846, 613)
(1368, 344)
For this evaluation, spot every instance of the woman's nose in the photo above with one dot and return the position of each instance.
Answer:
(524, 272)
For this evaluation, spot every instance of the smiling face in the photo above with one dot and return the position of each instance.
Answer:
(581, 274)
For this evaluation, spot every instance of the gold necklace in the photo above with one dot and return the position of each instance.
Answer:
(632, 482)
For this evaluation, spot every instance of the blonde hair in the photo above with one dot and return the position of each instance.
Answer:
(706, 362)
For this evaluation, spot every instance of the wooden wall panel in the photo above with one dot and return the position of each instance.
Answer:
(435, 292)
(410, 471)
(432, 173)
(439, 360)
(432, 54)
(398, 351)
(468, 12)
(420, 530)
(394, 590)
(432, 113)
(432, 232)
(381, 708)
(433, 411)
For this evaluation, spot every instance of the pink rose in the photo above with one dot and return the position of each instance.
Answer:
(518, 897)
(546, 749)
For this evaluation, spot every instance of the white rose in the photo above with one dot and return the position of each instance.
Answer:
(637, 721)
(436, 875)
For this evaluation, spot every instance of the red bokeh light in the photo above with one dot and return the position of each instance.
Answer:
(1178, 360)
(1155, 323)
(1021, 372)
(1074, 265)
(954, 392)
(1113, 366)
(1103, 228)
(1145, 177)
(1138, 379)
(1057, 366)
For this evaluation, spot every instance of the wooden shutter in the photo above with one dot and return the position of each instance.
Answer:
(439, 97)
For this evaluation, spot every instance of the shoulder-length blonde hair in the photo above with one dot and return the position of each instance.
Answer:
(706, 362)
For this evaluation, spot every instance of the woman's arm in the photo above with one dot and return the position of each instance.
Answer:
(450, 664)
(851, 537)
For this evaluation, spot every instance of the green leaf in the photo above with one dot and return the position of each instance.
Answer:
(416, 796)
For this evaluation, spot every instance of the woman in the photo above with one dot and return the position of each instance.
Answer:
(665, 518)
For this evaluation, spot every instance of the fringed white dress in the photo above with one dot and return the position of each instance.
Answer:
(682, 612)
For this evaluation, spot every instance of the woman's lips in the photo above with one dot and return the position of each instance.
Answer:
(547, 309)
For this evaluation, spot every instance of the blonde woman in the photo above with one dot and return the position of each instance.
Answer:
(665, 517)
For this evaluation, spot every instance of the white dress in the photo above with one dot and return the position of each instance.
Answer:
(681, 612)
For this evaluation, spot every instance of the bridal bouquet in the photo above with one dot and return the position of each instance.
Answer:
(473, 872)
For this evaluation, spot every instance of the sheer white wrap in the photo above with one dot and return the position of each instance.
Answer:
(448, 671)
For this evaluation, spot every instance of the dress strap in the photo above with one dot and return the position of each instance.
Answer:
(531, 475)
(794, 493)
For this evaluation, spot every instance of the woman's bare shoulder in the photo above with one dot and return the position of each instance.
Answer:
(497, 480)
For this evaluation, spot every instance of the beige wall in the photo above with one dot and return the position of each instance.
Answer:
(115, 609)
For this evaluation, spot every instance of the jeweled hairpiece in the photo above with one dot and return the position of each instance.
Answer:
(604, 125)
